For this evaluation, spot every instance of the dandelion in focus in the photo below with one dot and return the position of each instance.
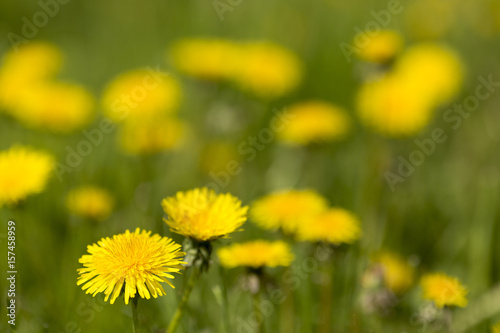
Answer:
(314, 121)
(150, 136)
(23, 171)
(133, 262)
(256, 254)
(57, 107)
(335, 226)
(382, 47)
(90, 202)
(443, 290)
(142, 94)
(203, 215)
(287, 209)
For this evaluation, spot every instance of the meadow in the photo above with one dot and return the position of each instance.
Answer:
(300, 166)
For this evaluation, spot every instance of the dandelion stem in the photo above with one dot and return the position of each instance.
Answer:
(185, 297)
(259, 317)
(135, 316)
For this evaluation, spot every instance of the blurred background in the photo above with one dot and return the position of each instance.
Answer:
(442, 216)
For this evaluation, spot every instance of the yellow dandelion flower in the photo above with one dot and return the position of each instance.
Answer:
(335, 226)
(397, 273)
(433, 71)
(210, 59)
(90, 202)
(287, 209)
(135, 262)
(149, 136)
(495, 328)
(203, 215)
(58, 107)
(141, 93)
(314, 121)
(382, 47)
(256, 254)
(268, 70)
(23, 171)
(443, 290)
(392, 107)
(30, 64)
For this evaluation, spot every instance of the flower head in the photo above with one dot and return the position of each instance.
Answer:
(149, 136)
(268, 70)
(23, 171)
(443, 290)
(433, 71)
(256, 254)
(381, 47)
(141, 94)
(58, 107)
(219, 57)
(30, 64)
(335, 226)
(495, 328)
(397, 274)
(314, 121)
(203, 215)
(286, 209)
(135, 262)
(392, 106)
(90, 202)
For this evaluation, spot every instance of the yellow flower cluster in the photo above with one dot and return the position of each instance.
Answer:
(256, 254)
(443, 290)
(402, 101)
(305, 215)
(263, 68)
(29, 92)
(203, 215)
(314, 121)
(132, 261)
(23, 171)
(144, 101)
(90, 202)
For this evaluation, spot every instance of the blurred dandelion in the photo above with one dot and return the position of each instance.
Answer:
(57, 107)
(443, 290)
(398, 274)
(23, 171)
(335, 226)
(287, 209)
(382, 47)
(314, 121)
(90, 202)
(256, 254)
(141, 93)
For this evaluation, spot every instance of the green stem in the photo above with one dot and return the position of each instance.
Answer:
(185, 297)
(135, 316)
(326, 298)
(256, 311)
